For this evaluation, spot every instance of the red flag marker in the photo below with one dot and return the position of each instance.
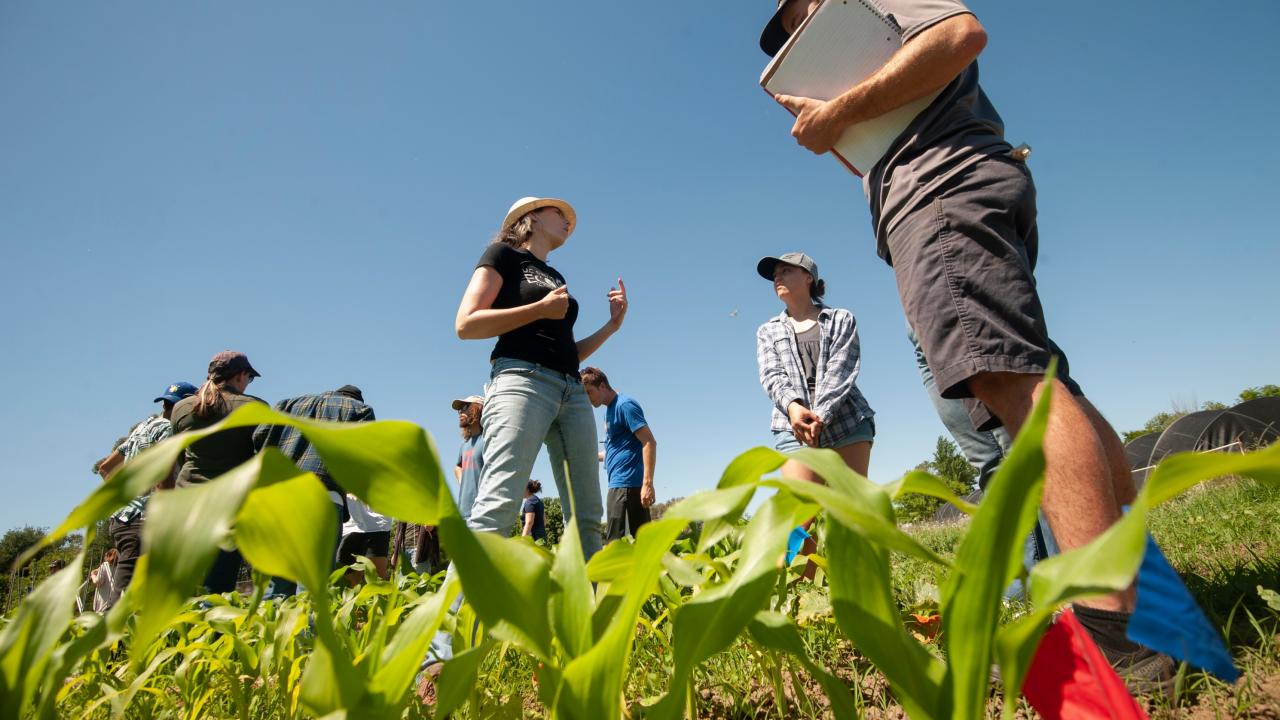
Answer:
(1069, 679)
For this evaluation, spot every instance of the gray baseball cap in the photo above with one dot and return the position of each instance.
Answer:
(767, 264)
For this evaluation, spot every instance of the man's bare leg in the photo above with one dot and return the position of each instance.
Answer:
(1080, 487)
(1121, 475)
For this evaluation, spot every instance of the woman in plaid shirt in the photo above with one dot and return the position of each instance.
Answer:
(809, 359)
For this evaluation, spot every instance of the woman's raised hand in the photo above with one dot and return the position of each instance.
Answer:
(617, 304)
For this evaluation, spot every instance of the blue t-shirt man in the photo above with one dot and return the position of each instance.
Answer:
(630, 453)
(622, 449)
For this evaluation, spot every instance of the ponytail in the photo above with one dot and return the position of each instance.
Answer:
(208, 397)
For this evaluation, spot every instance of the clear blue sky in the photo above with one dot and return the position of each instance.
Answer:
(312, 183)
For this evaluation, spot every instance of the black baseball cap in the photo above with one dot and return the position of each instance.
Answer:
(774, 35)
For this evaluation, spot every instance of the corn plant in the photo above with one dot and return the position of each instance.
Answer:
(354, 653)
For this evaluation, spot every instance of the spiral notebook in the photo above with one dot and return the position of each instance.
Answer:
(839, 45)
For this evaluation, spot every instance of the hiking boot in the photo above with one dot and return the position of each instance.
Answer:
(1145, 672)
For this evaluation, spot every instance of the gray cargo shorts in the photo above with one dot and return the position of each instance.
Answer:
(964, 264)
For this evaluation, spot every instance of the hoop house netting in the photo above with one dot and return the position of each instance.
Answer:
(1138, 452)
(1184, 435)
(1253, 424)
(1247, 426)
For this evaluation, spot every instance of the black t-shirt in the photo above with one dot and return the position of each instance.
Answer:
(525, 280)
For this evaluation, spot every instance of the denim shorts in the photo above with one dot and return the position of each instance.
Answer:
(865, 431)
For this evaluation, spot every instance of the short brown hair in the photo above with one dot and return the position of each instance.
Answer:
(595, 377)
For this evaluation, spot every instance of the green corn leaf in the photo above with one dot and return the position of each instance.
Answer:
(400, 659)
(775, 631)
(750, 466)
(923, 483)
(682, 571)
(711, 620)
(458, 677)
(590, 687)
(329, 684)
(856, 512)
(1110, 562)
(571, 601)
(744, 473)
(989, 557)
(28, 640)
(181, 535)
(862, 601)
(390, 464)
(287, 524)
(1179, 473)
(728, 501)
(495, 570)
(861, 530)
(611, 563)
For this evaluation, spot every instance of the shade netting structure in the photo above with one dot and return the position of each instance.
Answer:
(1247, 426)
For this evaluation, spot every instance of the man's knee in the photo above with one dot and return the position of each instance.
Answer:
(1010, 396)
(1004, 392)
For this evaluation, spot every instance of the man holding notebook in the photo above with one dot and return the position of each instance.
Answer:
(954, 213)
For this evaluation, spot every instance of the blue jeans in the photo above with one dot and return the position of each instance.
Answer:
(985, 450)
(526, 406)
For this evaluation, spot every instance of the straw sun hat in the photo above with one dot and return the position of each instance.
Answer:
(529, 204)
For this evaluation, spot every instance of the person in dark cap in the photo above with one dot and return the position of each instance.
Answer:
(125, 526)
(346, 404)
(222, 393)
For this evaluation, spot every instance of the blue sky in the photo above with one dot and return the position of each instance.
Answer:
(312, 183)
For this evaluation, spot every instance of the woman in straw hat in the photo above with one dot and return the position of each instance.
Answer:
(809, 358)
(535, 396)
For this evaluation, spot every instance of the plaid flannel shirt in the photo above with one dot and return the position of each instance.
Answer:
(143, 435)
(325, 406)
(836, 397)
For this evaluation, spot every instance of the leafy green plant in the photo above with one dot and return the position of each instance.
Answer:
(354, 652)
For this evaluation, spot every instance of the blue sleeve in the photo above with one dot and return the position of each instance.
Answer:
(633, 416)
(525, 508)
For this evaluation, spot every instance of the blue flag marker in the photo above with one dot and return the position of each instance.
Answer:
(1168, 619)
(795, 542)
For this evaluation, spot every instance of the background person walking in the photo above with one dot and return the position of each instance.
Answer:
(346, 404)
(125, 525)
(533, 512)
(222, 393)
(630, 456)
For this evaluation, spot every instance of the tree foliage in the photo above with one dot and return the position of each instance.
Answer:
(947, 463)
(17, 582)
(1254, 393)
